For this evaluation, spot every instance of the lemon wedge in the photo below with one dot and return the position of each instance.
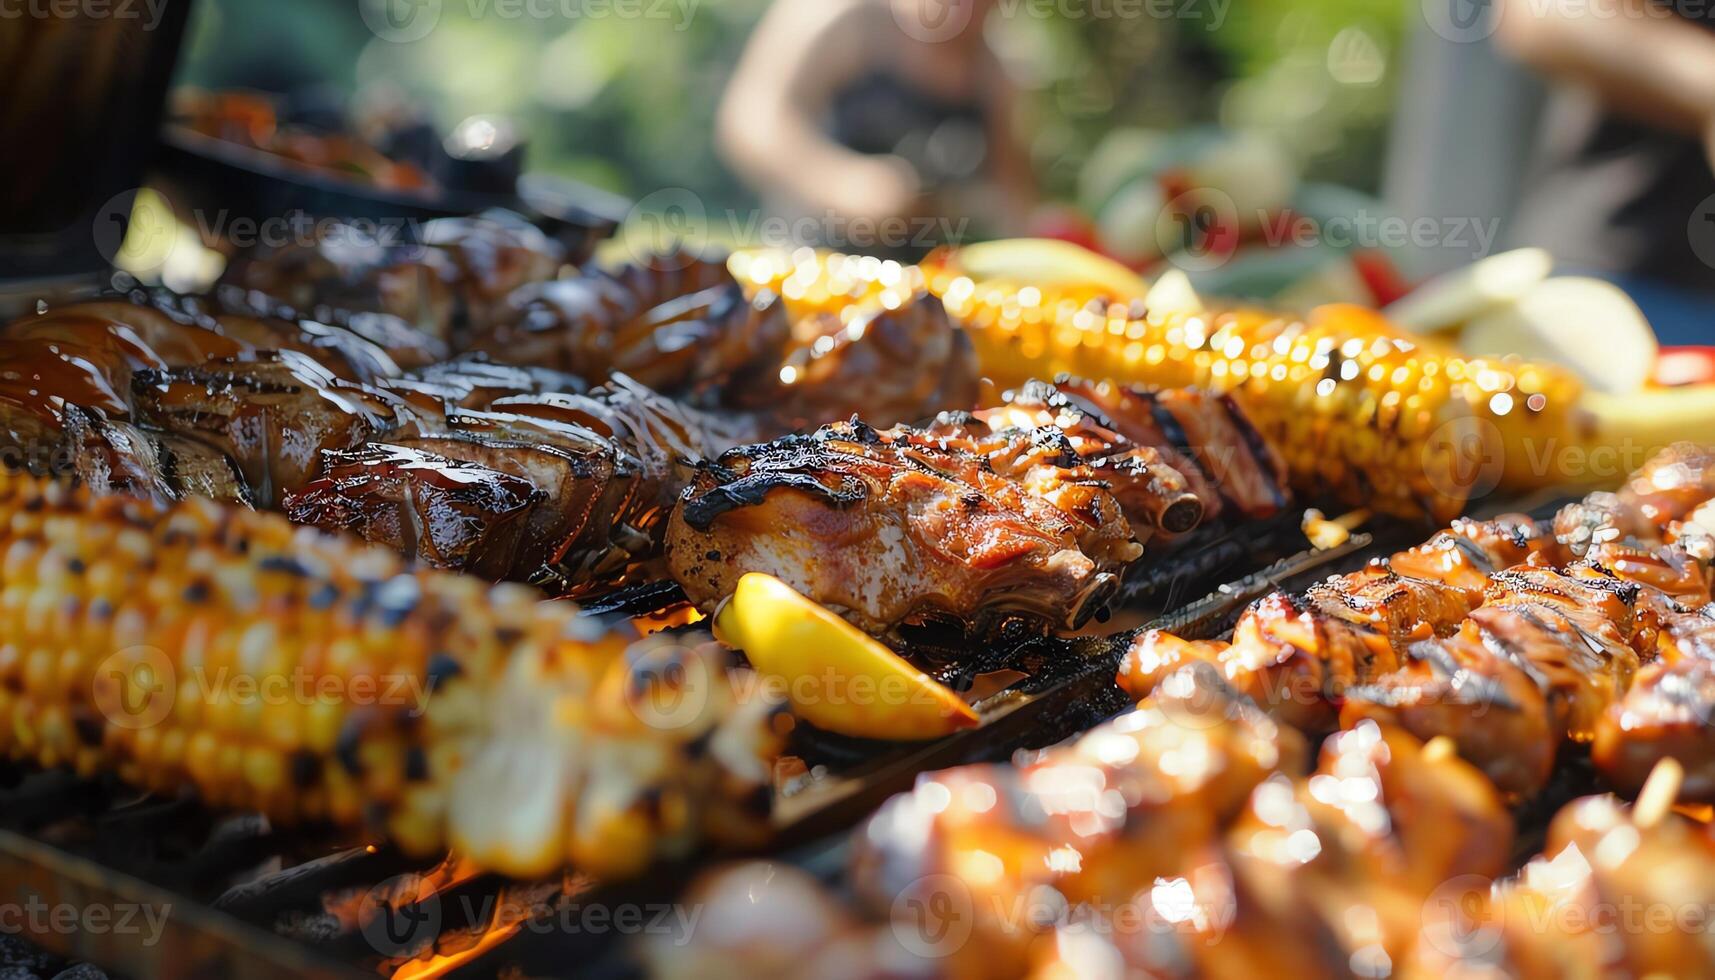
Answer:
(836, 677)
(1050, 265)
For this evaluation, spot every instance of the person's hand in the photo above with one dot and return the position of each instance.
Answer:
(874, 187)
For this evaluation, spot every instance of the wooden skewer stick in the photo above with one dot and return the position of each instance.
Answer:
(1660, 790)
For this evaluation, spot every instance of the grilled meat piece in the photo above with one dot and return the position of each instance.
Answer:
(1668, 712)
(1151, 493)
(450, 285)
(1444, 639)
(1468, 552)
(893, 365)
(1207, 437)
(676, 323)
(603, 468)
(886, 526)
(120, 458)
(273, 413)
(326, 326)
(1487, 703)
(449, 513)
(473, 381)
(1671, 485)
(1132, 802)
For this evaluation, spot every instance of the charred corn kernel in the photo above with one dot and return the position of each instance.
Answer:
(214, 649)
(1360, 410)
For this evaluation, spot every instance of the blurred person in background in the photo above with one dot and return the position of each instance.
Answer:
(1622, 182)
(889, 111)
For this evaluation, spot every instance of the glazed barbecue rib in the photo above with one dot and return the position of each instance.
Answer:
(1031, 508)
(1476, 636)
(448, 286)
(525, 473)
(430, 707)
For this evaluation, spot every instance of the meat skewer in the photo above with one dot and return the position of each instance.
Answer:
(1475, 636)
(1184, 838)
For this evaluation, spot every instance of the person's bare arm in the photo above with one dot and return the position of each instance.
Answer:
(1010, 158)
(797, 58)
(1638, 56)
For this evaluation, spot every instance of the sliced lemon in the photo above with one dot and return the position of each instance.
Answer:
(1050, 265)
(1453, 299)
(837, 677)
(1588, 325)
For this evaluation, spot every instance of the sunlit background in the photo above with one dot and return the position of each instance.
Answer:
(626, 104)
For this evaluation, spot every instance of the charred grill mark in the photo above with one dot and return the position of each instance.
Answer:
(1254, 443)
(703, 509)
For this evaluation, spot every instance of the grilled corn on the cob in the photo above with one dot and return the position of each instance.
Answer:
(1359, 409)
(265, 666)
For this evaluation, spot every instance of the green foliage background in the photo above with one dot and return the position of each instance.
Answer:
(626, 104)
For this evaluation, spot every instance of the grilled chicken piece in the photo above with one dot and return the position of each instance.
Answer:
(1487, 703)
(1468, 552)
(1609, 896)
(1668, 712)
(1401, 608)
(892, 365)
(273, 413)
(473, 381)
(676, 323)
(186, 330)
(1381, 824)
(1151, 493)
(1206, 438)
(885, 527)
(1671, 485)
(1132, 802)
(452, 283)
(1211, 430)
(449, 513)
(120, 458)
(326, 326)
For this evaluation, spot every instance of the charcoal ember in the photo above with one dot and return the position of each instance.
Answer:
(20, 960)
(82, 971)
